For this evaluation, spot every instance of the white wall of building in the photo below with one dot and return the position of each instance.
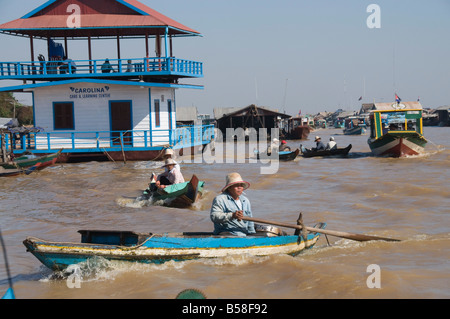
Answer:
(92, 111)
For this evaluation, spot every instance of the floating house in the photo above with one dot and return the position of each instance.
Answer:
(121, 108)
(251, 116)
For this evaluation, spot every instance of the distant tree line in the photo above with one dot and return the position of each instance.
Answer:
(24, 114)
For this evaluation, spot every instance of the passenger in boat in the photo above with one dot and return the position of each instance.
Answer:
(410, 126)
(284, 147)
(319, 144)
(273, 147)
(331, 145)
(169, 153)
(230, 206)
(172, 175)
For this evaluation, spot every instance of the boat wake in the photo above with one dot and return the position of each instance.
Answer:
(132, 202)
(100, 269)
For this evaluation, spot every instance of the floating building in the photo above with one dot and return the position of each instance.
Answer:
(121, 108)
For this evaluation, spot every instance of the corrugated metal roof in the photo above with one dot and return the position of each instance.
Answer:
(240, 111)
(98, 18)
(393, 106)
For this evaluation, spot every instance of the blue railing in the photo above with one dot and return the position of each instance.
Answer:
(99, 141)
(98, 68)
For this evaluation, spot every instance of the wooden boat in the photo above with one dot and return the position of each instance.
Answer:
(282, 156)
(25, 161)
(297, 129)
(397, 129)
(177, 195)
(158, 248)
(7, 172)
(354, 126)
(335, 152)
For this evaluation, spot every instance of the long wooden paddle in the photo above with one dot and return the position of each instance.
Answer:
(346, 235)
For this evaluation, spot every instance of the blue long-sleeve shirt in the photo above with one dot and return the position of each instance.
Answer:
(221, 213)
(320, 146)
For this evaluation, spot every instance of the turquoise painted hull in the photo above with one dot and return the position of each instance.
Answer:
(180, 195)
(159, 248)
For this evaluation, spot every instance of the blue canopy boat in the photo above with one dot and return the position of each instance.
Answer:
(159, 248)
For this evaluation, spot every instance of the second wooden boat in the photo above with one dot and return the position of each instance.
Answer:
(177, 195)
(335, 152)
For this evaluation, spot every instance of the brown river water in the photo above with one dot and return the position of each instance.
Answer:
(406, 198)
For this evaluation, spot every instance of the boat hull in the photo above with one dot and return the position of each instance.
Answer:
(24, 162)
(328, 153)
(19, 171)
(396, 145)
(299, 133)
(355, 131)
(161, 248)
(180, 195)
(282, 156)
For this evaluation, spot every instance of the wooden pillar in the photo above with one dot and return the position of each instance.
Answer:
(66, 47)
(3, 147)
(118, 47)
(33, 70)
(32, 49)
(90, 54)
(166, 45)
(146, 52)
(146, 45)
(48, 48)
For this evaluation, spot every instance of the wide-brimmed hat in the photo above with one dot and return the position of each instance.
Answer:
(168, 151)
(317, 138)
(235, 178)
(169, 161)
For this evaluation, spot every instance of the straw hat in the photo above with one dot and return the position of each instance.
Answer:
(235, 178)
(317, 138)
(168, 151)
(168, 162)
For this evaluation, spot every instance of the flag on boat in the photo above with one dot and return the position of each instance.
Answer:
(397, 98)
(360, 98)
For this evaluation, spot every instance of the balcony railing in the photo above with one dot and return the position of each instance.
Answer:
(54, 70)
(99, 141)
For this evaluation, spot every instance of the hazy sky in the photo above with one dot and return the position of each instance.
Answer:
(291, 55)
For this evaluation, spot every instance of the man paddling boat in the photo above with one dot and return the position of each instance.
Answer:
(230, 207)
